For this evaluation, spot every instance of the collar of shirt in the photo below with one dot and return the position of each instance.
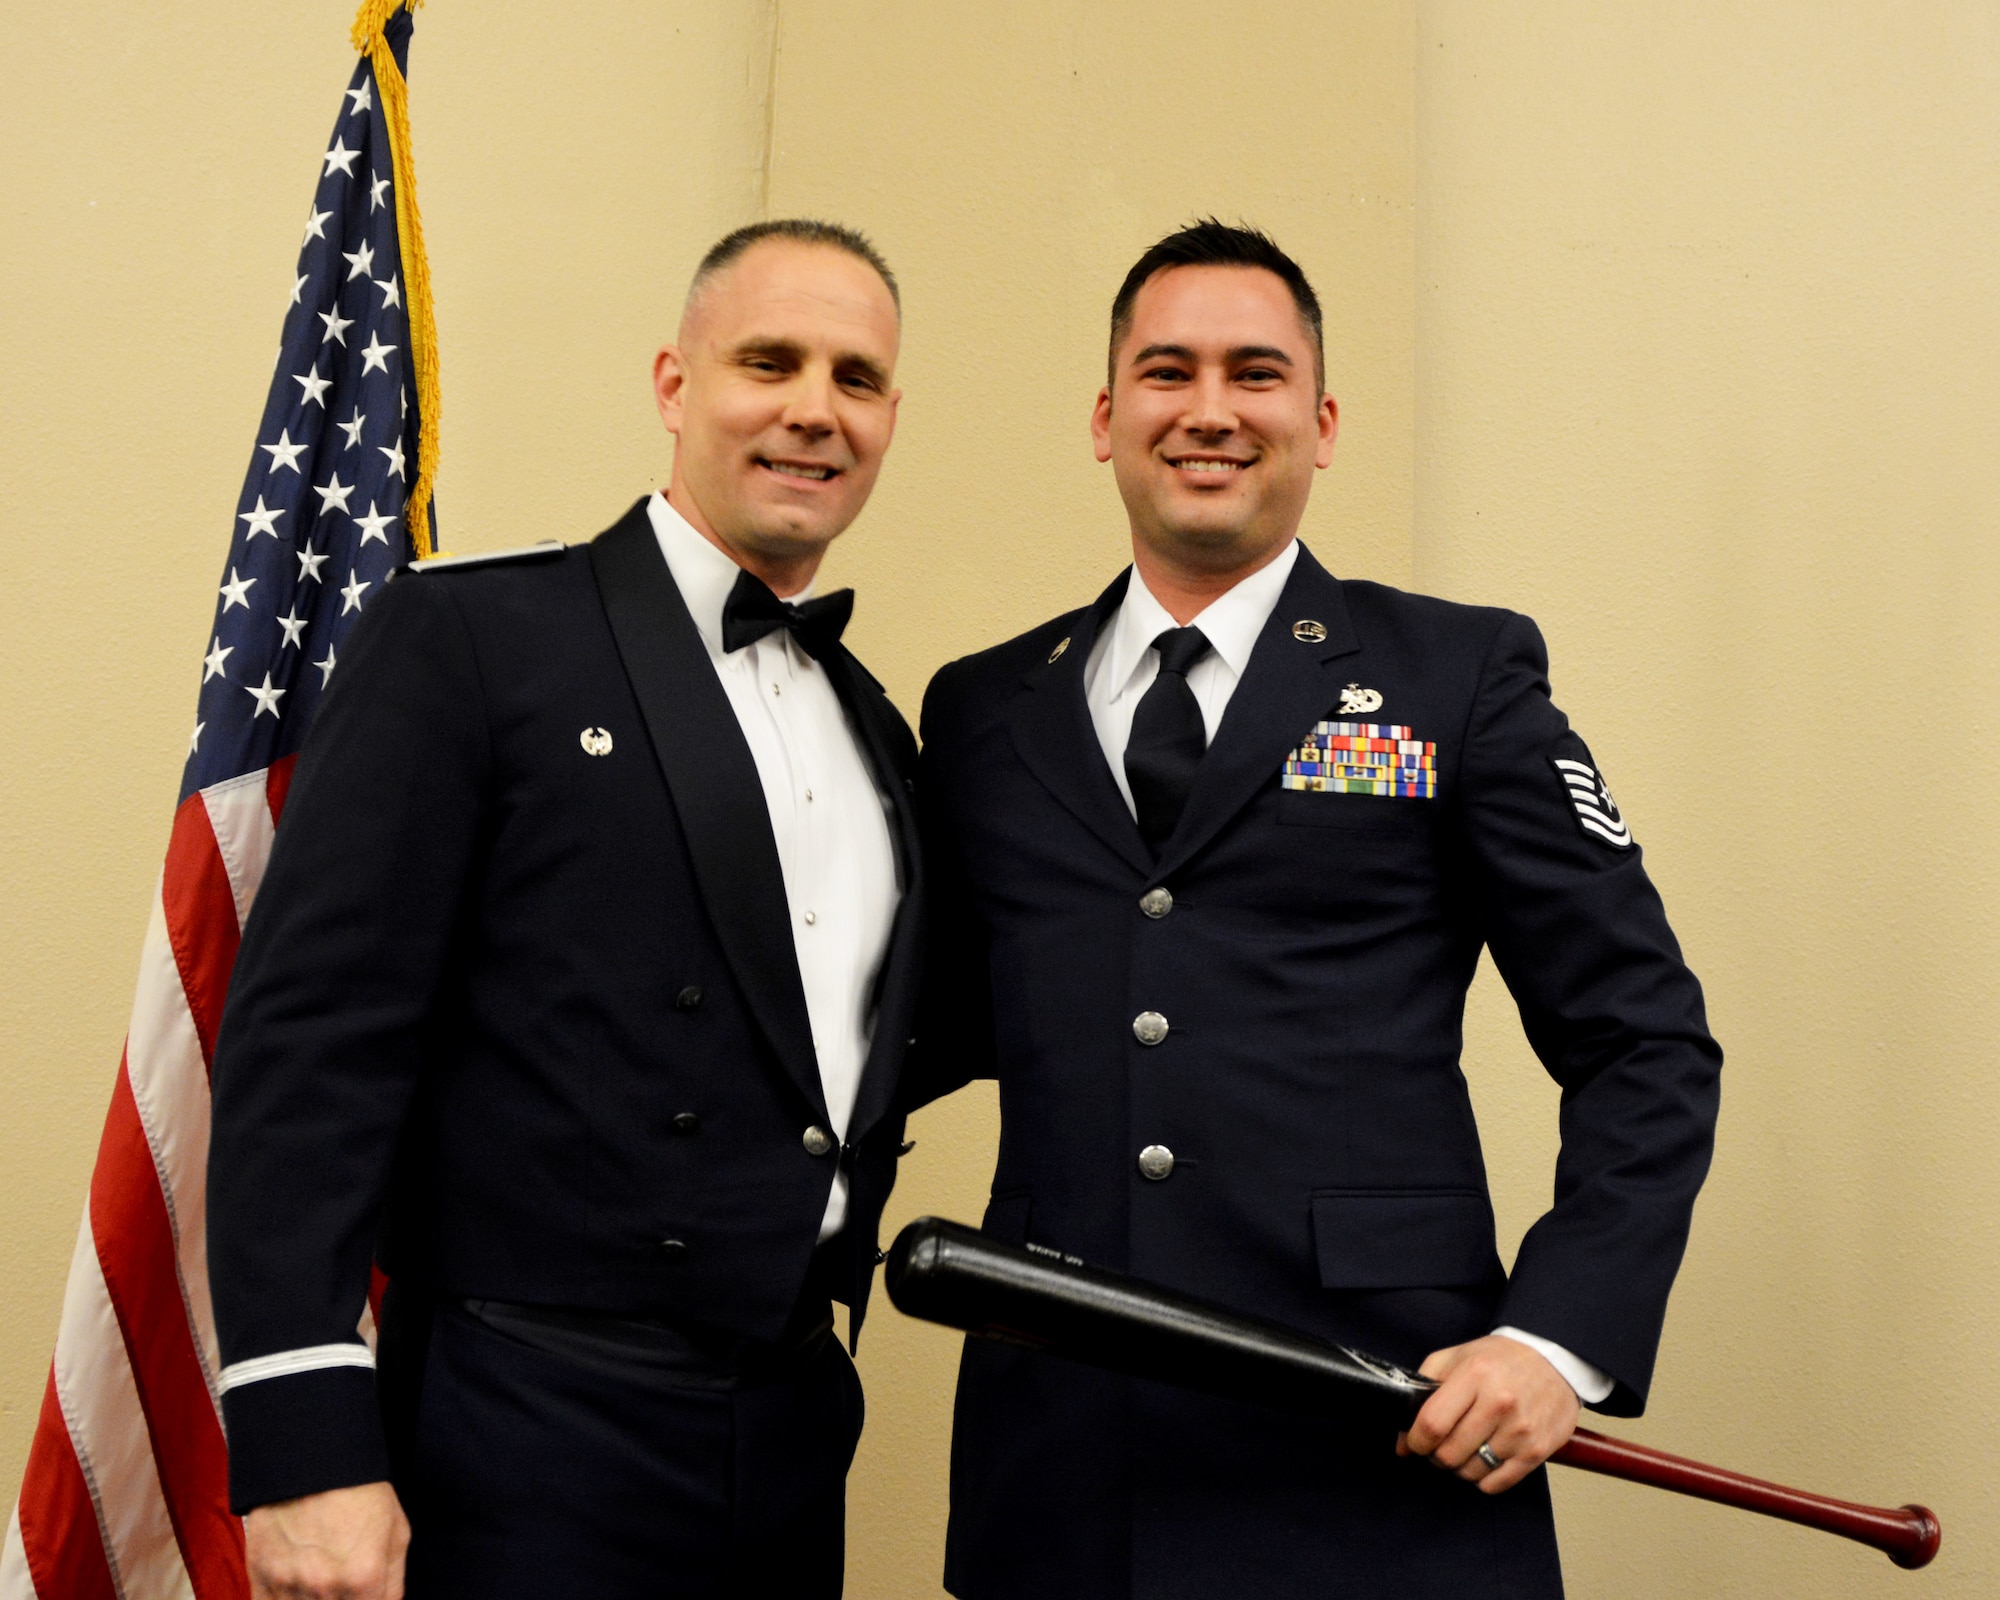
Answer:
(1232, 622)
(703, 573)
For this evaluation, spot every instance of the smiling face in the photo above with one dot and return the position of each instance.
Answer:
(1214, 422)
(779, 398)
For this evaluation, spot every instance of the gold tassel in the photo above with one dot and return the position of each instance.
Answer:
(368, 38)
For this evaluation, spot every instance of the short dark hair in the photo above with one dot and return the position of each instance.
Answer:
(805, 230)
(1209, 243)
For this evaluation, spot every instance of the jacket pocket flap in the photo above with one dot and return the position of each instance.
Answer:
(1403, 1238)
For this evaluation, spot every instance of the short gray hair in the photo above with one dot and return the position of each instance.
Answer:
(804, 230)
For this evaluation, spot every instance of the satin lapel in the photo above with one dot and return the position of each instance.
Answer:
(1058, 741)
(713, 780)
(892, 753)
(1289, 685)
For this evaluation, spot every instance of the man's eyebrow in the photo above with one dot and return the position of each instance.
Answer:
(1177, 352)
(784, 348)
(868, 366)
(1258, 352)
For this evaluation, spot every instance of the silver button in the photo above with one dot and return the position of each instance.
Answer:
(817, 1140)
(1156, 1161)
(811, 918)
(1149, 1027)
(809, 795)
(1156, 903)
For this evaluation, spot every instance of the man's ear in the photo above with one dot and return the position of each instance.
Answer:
(1329, 425)
(1100, 424)
(670, 386)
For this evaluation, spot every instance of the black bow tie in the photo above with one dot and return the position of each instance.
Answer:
(751, 611)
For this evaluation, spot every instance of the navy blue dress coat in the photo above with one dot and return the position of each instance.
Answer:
(1312, 968)
(518, 1012)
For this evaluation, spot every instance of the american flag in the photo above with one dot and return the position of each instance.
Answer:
(125, 1496)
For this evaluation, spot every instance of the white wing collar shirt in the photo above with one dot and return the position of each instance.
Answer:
(1122, 667)
(828, 816)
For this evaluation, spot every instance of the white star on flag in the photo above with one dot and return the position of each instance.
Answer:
(360, 263)
(332, 493)
(303, 277)
(267, 698)
(352, 428)
(314, 227)
(375, 192)
(194, 739)
(284, 453)
(363, 98)
(218, 653)
(262, 518)
(294, 626)
(314, 385)
(395, 455)
(392, 294)
(236, 591)
(336, 326)
(375, 356)
(352, 593)
(310, 561)
(342, 157)
(325, 668)
(371, 526)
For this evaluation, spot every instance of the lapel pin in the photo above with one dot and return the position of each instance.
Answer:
(1356, 700)
(595, 741)
(1055, 655)
(1307, 631)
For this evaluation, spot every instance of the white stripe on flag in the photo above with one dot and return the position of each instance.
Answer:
(16, 1582)
(107, 1429)
(170, 1088)
(240, 813)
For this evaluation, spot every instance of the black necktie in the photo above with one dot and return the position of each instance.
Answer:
(1168, 738)
(751, 611)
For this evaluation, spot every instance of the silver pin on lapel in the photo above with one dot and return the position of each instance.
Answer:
(1355, 700)
(1055, 655)
(595, 741)
(1307, 631)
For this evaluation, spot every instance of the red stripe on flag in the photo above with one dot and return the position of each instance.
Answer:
(278, 784)
(135, 1249)
(59, 1532)
(201, 917)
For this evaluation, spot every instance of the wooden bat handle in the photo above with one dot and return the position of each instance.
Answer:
(1908, 1535)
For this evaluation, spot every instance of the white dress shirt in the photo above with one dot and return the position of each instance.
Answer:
(829, 817)
(1122, 667)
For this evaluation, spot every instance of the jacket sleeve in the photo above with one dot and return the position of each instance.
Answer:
(319, 1050)
(1578, 932)
(954, 1029)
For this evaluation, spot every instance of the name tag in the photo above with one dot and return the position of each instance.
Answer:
(1379, 758)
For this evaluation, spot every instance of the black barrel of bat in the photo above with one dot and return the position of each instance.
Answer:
(944, 1272)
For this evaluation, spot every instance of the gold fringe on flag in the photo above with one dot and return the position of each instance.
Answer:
(368, 38)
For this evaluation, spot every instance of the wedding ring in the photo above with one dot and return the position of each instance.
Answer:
(1485, 1454)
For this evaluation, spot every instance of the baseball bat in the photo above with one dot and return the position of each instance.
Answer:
(1030, 1295)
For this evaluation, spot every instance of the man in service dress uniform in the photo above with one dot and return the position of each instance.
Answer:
(577, 996)
(1213, 860)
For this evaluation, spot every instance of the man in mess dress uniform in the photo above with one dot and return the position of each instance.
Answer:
(577, 995)
(1213, 861)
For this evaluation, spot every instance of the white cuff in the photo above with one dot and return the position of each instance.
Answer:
(1590, 1384)
(288, 1363)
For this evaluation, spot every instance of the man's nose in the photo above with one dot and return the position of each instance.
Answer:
(809, 406)
(1209, 410)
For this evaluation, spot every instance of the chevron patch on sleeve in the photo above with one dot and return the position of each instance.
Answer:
(1595, 809)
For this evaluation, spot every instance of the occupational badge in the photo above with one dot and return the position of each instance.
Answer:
(595, 741)
(1378, 758)
(1357, 701)
(1055, 655)
(1595, 809)
(1307, 631)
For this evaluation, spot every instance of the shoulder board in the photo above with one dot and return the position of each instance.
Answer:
(491, 558)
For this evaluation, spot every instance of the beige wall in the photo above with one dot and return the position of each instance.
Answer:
(1671, 325)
